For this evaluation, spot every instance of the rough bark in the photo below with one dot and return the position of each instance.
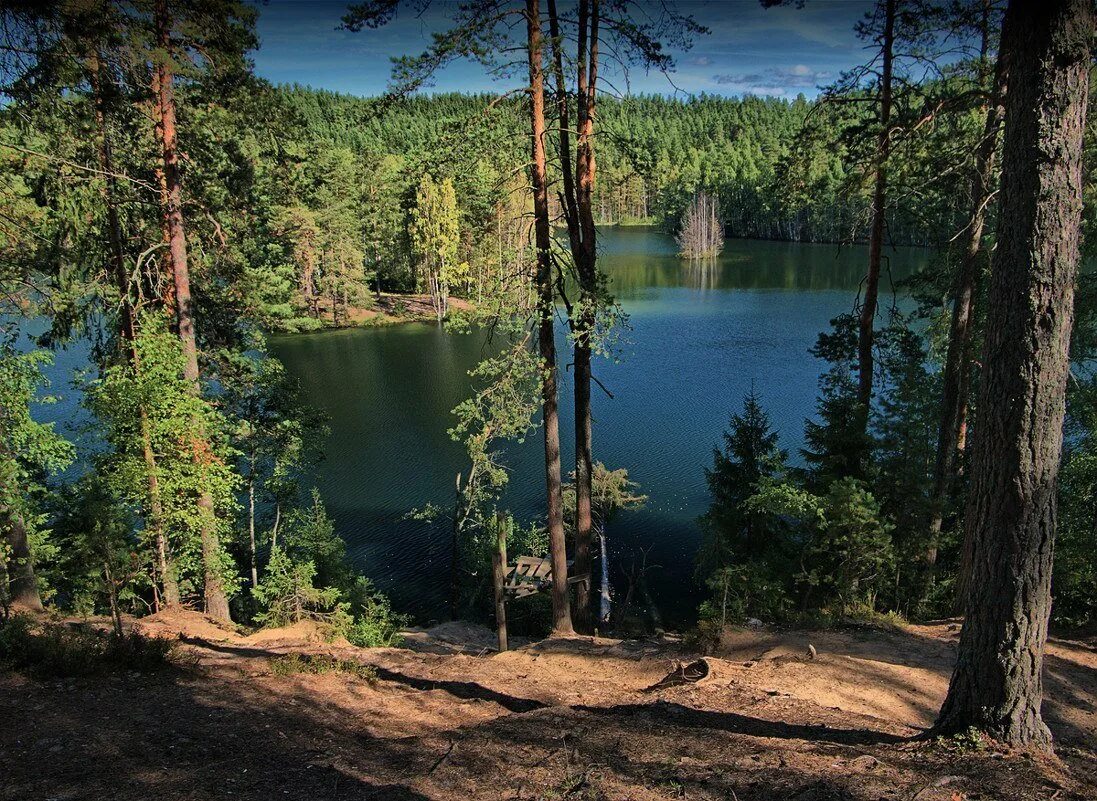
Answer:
(956, 376)
(159, 283)
(22, 584)
(588, 300)
(216, 601)
(578, 205)
(996, 686)
(561, 611)
(879, 206)
(127, 326)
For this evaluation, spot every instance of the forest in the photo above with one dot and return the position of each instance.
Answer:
(171, 211)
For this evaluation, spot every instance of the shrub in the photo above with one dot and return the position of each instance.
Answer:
(704, 638)
(375, 624)
(852, 551)
(55, 649)
(288, 596)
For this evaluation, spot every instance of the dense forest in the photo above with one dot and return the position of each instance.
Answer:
(162, 202)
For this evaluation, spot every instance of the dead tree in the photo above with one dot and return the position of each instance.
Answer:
(702, 233)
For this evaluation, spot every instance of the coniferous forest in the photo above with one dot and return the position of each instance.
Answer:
(178, 218)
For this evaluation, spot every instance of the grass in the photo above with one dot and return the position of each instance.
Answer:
(318, 665)
(965, 742)
(51, 650)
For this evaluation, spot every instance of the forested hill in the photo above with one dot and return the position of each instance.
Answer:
(773, 163)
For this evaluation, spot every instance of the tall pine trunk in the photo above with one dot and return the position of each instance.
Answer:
(578, 206)
(588, 300)
(127, 315)
(996, 686)
(216, 601)
(546, 336)
(879, 205)
(956, 375)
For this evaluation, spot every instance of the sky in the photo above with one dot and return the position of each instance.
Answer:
(778, 52)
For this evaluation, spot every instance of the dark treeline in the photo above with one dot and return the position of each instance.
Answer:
(656, 154)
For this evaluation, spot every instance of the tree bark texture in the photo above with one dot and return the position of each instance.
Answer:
(127, 317)
(546, 336)
(216, 602)
(996, 686)
(879, 206)
(956, 376)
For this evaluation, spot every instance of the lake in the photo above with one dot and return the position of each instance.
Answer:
(700, 336)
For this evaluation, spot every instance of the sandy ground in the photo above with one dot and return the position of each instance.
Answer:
(395, 308)
(448, 718)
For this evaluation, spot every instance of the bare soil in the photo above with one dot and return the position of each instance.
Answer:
(388, 308)
(448, 718)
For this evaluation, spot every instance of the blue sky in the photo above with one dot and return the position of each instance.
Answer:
(777, 52)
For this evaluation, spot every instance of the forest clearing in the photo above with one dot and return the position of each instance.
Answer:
(446, 716)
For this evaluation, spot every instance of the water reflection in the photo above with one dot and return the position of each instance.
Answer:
(640, 259)
(701, 273)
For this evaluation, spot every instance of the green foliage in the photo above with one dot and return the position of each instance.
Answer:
(309, 535)
(29, 452)
(500, 409)
(287, 596)
(308, 578)
(732, 532)
(848, 559)
(755, 588)
(191, 442)
(101, 559)
(375, 624)
(775, 544)
(1074, 581)
(705, 637)
(275, 436)
(51, 650)
(838, 445)
(842, 543)
(611, 491)
(433, 230)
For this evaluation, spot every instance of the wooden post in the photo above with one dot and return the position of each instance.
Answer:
(499, 566)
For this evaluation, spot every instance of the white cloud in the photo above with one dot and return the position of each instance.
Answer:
(775, 81)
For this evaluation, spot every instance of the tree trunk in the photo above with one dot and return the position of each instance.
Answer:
(578, 205)
(879, 203)
(128, 335)
(22, 583)
(164, 286)
(546, 307)
(957, 371)
(251, 526)
(606, 598)
(277, 523)
(216, 601)
(112, 596)
(996, 686)
(588, 299)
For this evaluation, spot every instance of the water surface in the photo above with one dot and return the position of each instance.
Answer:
(701, 335)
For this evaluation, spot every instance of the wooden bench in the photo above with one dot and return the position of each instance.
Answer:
(533, 574)
(527, 576)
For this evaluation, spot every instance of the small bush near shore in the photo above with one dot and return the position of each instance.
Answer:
(49, 650)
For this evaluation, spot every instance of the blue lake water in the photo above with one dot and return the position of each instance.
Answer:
(700, 336)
